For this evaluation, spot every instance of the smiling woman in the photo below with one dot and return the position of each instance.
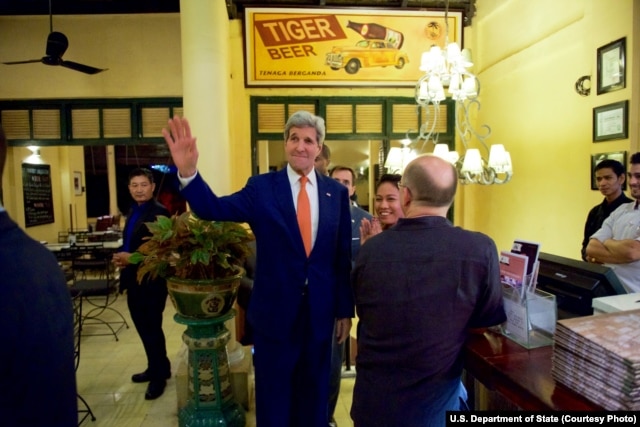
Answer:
(386, 207)
(387, 202)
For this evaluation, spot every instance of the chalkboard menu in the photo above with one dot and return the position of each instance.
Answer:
(38, 200)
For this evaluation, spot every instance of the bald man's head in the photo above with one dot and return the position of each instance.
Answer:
(431, 180)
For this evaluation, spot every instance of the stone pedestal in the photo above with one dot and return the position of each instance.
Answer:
(210, 400)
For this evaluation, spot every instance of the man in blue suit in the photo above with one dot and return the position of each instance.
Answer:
(299, 292)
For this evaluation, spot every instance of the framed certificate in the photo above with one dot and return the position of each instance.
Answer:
(611, 66)
(611, 121)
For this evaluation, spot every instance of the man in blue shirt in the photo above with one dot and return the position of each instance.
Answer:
(146, 300)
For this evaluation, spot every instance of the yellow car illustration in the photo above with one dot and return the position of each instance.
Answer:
(366, 53)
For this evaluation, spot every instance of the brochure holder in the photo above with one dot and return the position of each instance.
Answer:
(531, 317)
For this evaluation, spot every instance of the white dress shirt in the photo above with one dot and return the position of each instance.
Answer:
(623, 223)
(312, 192)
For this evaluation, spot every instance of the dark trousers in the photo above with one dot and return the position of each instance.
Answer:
(335, 375)
(292, 377)
(146, 304)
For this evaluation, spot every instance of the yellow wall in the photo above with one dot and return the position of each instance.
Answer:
(528, 56)
(142, 53)
(66, 205)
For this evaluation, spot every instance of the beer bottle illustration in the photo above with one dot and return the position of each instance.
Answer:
(376, 31)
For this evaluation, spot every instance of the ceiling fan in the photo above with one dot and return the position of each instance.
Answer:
(57, 44)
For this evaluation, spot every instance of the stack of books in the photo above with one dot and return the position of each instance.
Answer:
(599, 358)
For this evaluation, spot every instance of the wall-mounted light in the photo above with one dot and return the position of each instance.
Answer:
(583, 86)
(34, 158)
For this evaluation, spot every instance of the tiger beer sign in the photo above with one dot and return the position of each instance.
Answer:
(333, 47)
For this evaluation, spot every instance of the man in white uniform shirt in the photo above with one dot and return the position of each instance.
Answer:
(617, 243)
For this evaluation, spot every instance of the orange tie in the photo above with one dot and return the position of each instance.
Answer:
(304, 214)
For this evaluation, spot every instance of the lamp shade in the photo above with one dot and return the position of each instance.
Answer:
(469, 87)
(394, 159)
(466, 58)
(453, 53)
(407, 156)
(453, 157)
(508, 168)
(472, 161)
(441, 150)
(496, 155)
(499, 159)
(436, 90)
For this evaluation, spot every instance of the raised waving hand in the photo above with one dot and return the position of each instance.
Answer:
(182, 146)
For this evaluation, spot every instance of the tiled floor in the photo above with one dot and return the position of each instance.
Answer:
(104, 379)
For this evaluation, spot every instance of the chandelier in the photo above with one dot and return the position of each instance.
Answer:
(448, 67)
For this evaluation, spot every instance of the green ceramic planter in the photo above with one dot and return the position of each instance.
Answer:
(204, 298)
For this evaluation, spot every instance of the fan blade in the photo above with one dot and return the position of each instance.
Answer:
(81, 67)
(30, 61)
(57, 44)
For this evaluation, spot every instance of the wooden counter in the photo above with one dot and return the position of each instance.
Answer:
(521, 376)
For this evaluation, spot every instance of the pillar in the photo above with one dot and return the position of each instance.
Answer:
(111, 174)
(204, 29)
(205, 75)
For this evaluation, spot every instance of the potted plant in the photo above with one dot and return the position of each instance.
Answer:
(201, 261)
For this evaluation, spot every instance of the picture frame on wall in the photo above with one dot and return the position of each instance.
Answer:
(77, 183)
(611, 66)
(611, 121)
(620, 156)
